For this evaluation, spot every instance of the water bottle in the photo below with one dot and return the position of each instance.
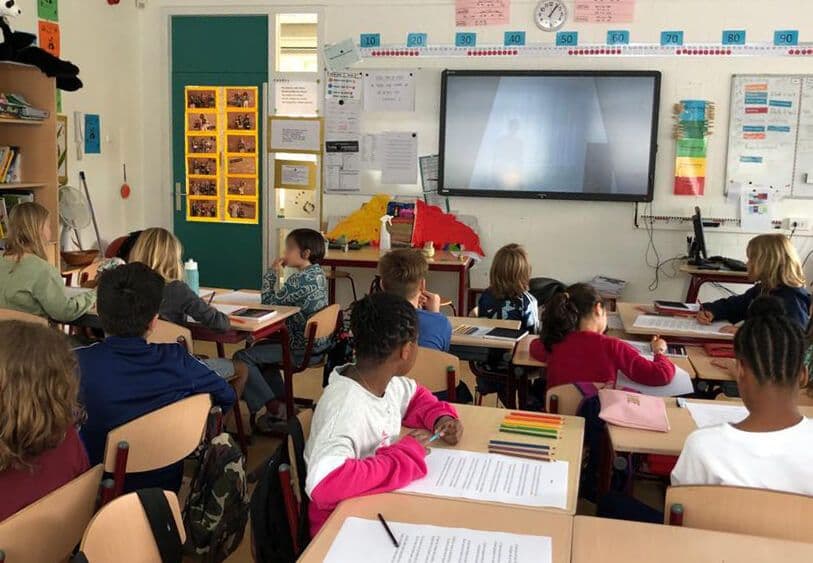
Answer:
(191, 274)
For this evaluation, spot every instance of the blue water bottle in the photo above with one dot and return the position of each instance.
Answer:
(191, 274)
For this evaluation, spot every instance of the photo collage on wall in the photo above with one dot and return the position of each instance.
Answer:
(222, 179)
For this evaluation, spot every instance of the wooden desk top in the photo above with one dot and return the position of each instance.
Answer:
(522, 356)
(449, 513)
(705, 369)
(481, 424)
(478, 341)
(369, 255)
(629, 312)
(601, 540)
(681, 424)
(695, 271)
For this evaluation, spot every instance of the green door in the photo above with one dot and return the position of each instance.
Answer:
(218, 51)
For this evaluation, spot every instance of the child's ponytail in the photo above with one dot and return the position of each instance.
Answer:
(565, 310)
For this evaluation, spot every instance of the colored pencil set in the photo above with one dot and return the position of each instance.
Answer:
(539, 452)
(541, 425)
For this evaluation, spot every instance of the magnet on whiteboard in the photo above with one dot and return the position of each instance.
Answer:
(808, 177)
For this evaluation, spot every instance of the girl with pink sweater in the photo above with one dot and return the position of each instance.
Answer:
(354, 447)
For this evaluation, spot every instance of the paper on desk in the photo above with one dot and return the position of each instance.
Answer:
(494, 478)
(682, 324)
(226, 308)
(244, 298)
(399, 163)
(681, 384)
(360, 539)
(614, 321)
(705, 414)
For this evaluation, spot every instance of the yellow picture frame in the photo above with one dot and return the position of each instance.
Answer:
(280, 172)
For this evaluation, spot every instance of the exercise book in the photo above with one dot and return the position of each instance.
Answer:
(680, 324)
(493, 478)
(367, 540)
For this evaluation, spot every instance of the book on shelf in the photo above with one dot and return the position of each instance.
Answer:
(15, 106)
(10, 164)
(3, 219)
(12, 198)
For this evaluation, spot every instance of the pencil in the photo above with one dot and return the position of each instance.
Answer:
(505, 443)
(527, 414)
(211, 298)
(389, 532)
(553, 436)
(434, 437)
(522, 455)
(525, 426)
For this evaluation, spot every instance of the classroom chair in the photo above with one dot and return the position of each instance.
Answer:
(155, 440)
(566, 399)
(12, 315)
(50, 529)
(437, 371)
(120, 532)
(292, 480)
(742, 510)
(336, 275)
(113, 248)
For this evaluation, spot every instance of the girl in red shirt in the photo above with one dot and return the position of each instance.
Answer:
(39, 448)
(575, 348)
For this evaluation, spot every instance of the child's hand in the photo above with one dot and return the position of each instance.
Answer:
(423, 437)
(705, 317)
(278, 264)
(729, 329)
(658, 345)
(430, 301)
(451, 429)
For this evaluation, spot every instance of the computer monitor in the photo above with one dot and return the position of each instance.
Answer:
(698, 252)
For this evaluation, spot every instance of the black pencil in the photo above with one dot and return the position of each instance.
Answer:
(389, 532)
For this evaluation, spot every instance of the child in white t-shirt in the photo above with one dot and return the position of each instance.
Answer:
(770, 449)
(354, 447)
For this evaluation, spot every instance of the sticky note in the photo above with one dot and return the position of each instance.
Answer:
(567, 38)
(733, 37)
(671, 38)
(786, 37)
(465, 39)
(370, 40)
(514, 38)
(416, 40)
(93, 144)
(48, 10)
(618, 37)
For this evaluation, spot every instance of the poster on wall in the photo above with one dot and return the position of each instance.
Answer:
(604, 11)
(93, 144)
(296, 97)
(389, 90)
(295, 134)
(62, 149)
(49, 37)
(474, 13)
(694, 119)
(222, 168)
(48, 10)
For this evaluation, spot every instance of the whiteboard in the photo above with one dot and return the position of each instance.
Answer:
(770, 133)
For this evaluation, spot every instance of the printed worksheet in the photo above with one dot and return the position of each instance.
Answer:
(367, 540)
(705, 414)
(238, 298)
(682, 324)
(493, 477)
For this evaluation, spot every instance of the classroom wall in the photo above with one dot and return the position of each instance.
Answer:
(572, 241)
(105, 43)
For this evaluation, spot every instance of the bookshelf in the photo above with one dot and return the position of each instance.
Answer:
(36, 139)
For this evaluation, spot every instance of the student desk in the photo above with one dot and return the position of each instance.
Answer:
(368, 257)
(629, 312)
(699, 276)
(481, 424)
(448, 513)
(479, 341)
(707, 371)
(601, 540)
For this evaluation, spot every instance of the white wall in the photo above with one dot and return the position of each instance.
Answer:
(106, 44)
(568, 240)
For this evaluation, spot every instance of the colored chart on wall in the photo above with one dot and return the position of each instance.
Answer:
(222, 170)
(694, 119)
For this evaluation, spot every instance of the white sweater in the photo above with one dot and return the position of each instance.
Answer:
(724, 455)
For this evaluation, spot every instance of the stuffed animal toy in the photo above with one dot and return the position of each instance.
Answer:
(19, 47)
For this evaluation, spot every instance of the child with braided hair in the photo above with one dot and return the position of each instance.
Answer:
(354, 447)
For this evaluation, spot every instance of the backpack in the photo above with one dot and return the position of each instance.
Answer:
(270, 531)
(217, 509)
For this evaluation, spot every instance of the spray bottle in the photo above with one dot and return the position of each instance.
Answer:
(384, 239)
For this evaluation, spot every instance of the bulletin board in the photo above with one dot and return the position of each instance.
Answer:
(222, 167)
(770, 137)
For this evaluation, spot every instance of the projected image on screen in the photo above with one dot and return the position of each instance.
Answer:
(587, 135)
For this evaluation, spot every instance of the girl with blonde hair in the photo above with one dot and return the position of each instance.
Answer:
(775, 268)
(28, 282)
(40, 449)
(507, 296)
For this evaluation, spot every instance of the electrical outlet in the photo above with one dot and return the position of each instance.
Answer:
(796, 223)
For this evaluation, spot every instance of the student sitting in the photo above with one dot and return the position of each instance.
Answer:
(769, 449)
(576, 350)
(161, 250)
(775, 267)
(507, 296)
(403, 273)
(39, 448)
(28, 282)
(306, 289)
(124, 378)
(353, 448)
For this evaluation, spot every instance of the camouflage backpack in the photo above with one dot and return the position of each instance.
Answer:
(217, 509)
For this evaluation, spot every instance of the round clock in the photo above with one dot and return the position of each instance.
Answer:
(550, 15)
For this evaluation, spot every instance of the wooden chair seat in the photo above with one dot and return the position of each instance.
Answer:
(437, 371)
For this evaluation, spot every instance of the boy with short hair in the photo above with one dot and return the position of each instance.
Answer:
(123, 377)
(403, 273)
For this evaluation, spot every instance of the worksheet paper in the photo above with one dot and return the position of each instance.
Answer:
(756, 210)
(472, 13)
(371, 151)
(367, 540)
(681, 383)
(682, 324)
(389, 90)
(429, 172)
(399, 158)
(344, 85)
(341, 55)
(295, 135)
(243, 298)
(705, 414)
(342, 120)
(493, 478)
(342, 172)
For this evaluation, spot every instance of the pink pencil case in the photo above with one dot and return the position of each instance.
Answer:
(633, 410)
